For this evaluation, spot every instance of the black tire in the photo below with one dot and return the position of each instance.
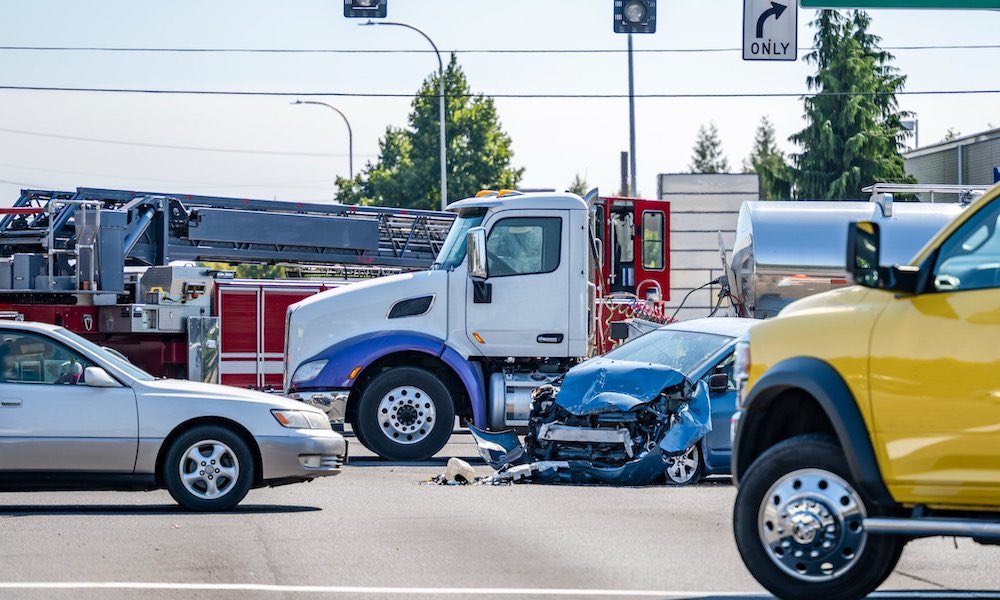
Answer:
(699, 468)
(431, 432)
(233, 490)
(860, 575)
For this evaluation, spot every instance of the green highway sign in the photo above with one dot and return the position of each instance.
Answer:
(928, 4)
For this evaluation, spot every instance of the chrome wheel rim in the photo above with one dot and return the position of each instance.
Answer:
(209, 469)
(810, 523)
(406, 415)
(681, 469)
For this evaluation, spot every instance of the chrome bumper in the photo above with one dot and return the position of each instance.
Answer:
(306, 454)
(332, 402)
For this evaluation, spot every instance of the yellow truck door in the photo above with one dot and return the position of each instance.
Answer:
(935, 375)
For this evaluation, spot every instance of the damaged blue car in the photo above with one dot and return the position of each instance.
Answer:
(658, 406)
(605, 421)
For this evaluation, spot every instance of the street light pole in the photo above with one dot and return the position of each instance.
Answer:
(350, 134)
(631, 119)
(441, 107)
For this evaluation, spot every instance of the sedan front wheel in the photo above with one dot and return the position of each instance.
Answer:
(208, 468)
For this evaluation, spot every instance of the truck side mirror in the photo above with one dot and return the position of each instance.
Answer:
(864, 242)
(864, 252)
(475, 243)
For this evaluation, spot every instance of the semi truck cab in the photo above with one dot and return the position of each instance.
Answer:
(507, 306)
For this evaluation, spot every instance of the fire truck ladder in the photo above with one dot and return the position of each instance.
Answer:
(153, 228)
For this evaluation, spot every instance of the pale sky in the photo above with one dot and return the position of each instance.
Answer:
(298, 150)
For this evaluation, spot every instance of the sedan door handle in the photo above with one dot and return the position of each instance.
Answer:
(10, 402)
(550, 338)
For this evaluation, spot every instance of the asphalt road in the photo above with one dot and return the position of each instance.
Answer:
(376, 531)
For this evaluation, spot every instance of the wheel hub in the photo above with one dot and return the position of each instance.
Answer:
(209, 469)
(406, 415)
(810, 524)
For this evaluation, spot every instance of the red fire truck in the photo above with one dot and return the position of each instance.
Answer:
(125, 269)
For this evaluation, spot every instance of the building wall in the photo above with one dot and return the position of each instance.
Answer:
(701, 206)
(940, 163)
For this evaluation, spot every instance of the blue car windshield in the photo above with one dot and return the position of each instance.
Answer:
(679, 350)
(453, 251)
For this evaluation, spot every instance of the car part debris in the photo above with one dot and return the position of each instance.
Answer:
(607, 421)
(459, 471)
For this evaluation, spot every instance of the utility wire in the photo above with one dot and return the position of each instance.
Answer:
(697, 95)
(173, 147)
(454, 51)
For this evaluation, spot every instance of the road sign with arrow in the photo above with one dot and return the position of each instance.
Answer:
(770, 30)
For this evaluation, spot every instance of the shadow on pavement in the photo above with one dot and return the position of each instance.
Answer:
(31, 510)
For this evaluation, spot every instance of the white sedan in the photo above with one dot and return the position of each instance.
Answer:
(75, 416)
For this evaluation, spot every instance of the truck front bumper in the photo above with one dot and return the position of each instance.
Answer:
(332, 402)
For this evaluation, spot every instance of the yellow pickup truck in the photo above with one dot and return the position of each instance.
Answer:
(870, 415)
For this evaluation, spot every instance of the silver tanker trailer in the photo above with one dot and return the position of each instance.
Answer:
(786, 250)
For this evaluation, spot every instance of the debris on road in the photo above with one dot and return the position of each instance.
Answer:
(458, 472)
(607, 421)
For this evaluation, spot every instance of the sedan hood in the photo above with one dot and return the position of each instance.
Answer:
(211, 391)
(601, 385)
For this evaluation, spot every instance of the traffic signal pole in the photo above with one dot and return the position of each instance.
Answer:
(633, 191)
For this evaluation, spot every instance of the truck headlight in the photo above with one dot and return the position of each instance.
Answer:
(301, 419)
(308, 371)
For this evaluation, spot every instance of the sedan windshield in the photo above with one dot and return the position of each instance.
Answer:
(680, 350)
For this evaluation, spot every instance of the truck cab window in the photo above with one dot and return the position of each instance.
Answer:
(524, 246)
(28, 358)
(970, 258)
(652, 240)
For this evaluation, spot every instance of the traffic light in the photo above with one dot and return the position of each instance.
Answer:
(366, 9)
(635, 16)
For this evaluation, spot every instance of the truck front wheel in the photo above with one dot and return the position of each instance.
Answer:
(798, 524)
(405, 413)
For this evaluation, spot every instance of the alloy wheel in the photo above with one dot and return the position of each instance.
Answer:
(209, 469)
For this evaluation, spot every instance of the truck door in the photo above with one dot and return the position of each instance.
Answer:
(523, 308)
(935, 374)
(652, 249)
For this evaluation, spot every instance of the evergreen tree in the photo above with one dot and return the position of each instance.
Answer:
(854, 134)
(769, 163)
(708, 157)
(408, 172)
(578, 186)
(951, 134)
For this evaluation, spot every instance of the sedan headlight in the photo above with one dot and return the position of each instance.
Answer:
(308, 371)
(301, 419)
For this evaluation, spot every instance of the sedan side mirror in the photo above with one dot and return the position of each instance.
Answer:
(98, 377)
(864, 241)
(718, 383)
(475, 243)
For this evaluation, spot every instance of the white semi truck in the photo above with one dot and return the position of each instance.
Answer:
(511, 303)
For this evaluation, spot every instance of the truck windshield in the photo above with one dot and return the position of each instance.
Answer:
(680, 350)
(453, 252)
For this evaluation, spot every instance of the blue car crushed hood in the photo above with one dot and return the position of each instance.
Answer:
(608, 421)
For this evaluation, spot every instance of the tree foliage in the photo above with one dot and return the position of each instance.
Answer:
(578, 186)
(854, 134)
(407, 172)
(708, 156)
(769, 163)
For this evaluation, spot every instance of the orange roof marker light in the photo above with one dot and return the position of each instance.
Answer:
(483, 193)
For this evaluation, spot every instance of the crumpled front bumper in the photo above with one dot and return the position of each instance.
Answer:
(306, 454)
